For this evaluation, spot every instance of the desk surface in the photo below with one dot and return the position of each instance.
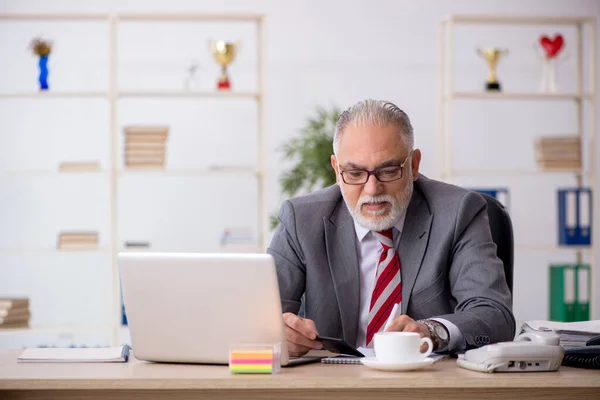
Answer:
(137, 379)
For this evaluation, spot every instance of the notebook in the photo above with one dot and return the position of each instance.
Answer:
(74, 355)
(346, 359)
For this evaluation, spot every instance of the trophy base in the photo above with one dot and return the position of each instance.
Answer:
(493, 87)
(223, 85)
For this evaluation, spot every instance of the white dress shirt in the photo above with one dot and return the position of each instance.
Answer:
(369, 249)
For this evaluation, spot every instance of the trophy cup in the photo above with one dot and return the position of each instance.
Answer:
(492, 56)
(224, 53)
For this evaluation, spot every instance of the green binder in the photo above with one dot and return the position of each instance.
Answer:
(582, 292)
(562, 292)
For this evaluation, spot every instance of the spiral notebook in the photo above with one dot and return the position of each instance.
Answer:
(346, 359)
(341, 360)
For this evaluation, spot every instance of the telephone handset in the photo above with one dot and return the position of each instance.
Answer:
(530, 351)
(584, 357)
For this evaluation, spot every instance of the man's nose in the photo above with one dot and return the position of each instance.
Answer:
(373, 187)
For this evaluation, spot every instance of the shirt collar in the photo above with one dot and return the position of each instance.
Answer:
(361, 231)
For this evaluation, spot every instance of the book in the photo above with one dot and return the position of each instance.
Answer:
(346, 359)
(341, 360)
(74, 355)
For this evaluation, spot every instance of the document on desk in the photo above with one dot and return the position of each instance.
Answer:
(75, 355)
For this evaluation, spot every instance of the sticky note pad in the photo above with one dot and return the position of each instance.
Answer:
(254, 358)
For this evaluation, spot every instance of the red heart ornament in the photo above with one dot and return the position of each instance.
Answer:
(552, 46)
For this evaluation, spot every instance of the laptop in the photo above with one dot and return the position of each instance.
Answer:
(190, 307)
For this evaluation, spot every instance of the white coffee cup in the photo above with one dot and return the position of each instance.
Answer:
(400, 347)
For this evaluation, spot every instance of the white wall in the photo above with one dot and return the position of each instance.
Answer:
(318, 53)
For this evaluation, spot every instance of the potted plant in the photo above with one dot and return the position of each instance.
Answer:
(310, 152)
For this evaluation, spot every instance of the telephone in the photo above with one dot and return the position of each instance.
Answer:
(584, 357)
(529, 352)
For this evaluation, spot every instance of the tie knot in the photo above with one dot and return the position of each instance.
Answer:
(385, 237)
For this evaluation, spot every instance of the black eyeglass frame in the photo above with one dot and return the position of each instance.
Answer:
(375, 172)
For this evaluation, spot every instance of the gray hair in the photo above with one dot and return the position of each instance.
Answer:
(374, 112)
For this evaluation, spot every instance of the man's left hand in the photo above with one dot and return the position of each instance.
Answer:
(404, 323)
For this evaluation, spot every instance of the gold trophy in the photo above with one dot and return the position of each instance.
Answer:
(492, 56)
(224, 53)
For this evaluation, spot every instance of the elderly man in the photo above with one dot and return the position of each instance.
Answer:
(385, 235)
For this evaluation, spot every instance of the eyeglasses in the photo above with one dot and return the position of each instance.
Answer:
(388, 173)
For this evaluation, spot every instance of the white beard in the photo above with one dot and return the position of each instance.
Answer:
(381, 222)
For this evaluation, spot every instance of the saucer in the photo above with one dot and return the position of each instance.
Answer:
(372, 362)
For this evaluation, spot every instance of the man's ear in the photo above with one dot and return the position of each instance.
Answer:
(335, 166)
(415, 162)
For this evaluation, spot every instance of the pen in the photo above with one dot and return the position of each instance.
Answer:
(393, 315)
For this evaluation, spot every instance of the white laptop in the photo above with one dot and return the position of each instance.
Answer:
(189, 307)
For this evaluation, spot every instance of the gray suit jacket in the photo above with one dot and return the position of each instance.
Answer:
(449, 267)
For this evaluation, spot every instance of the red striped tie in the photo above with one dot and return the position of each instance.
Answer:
(388, 285)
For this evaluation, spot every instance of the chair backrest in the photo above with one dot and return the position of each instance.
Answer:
(502, 235)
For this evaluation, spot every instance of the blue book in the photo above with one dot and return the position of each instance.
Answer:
(574, 216)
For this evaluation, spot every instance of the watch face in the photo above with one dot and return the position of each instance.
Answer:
(441, 332)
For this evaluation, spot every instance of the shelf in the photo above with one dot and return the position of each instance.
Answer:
(190, 172)
(51, 94)
(191, 17)
(49, 250)
(516, 20)
(53, 17)
(191, 94)
(517, 96)
(550, 247)
(55, 329)
(463, 172)
(19, 172)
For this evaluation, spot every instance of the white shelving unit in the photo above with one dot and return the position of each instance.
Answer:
(113, 95)
(582, 96)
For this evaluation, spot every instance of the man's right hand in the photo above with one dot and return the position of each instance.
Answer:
(300, 334)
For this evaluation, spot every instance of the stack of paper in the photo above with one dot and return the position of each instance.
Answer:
(14, 312)
(572, 334)
(77, 241)
(558, 152)
(57, 354)
(145, 146)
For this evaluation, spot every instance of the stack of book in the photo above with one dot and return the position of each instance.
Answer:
(77, 240)
(79, 166)
(14, 312)
(558, 152)
(145, 146)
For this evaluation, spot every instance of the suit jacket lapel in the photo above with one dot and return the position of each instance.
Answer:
(340, 240)
(413, 243)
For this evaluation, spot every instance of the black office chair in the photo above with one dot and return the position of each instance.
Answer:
(502, 235)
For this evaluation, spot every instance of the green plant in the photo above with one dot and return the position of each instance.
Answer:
(310, 152)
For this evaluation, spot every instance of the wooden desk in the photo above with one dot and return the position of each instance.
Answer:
(141, 380)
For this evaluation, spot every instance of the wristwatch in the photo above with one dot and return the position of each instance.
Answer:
(438, 333)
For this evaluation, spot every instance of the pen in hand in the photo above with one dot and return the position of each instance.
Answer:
(393, 315)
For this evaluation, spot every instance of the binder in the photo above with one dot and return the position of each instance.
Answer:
(500, 194)
(574, 216)
(582, 290)
(562, 293)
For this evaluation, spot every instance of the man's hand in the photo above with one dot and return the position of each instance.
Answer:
(404, 323)
(300, 334)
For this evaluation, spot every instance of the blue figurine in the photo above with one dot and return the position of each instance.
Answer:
(43, 64)
(42, 48)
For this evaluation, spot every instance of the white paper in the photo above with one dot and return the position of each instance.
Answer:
(583, 326)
